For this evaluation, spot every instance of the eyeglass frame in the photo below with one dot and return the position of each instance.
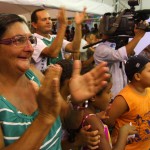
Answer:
(10, 41)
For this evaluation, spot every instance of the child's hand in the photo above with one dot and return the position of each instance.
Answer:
(89, 138)
(104, 114)
(131, 131)
(128, 129)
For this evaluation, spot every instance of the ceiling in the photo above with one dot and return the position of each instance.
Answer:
(25, 7)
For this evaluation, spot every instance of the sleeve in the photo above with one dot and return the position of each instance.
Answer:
(65, 42)
(38, 50)
(106, 53)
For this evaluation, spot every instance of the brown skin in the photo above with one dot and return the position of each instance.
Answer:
(84, 137)
(140, 82)
(96, 124)
(89, 138)
(18, 60)
(18, 83)
(101, 102)
(43, 27)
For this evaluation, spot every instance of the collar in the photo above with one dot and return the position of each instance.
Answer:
(42, 37)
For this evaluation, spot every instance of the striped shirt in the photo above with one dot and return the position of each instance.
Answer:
(14, 123)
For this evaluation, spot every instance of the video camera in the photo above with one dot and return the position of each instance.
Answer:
(120, 27)
(123, 23)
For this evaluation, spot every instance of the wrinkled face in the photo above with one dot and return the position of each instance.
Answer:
(102, 101)
(16, 57)
(44, 23)
(144, 76)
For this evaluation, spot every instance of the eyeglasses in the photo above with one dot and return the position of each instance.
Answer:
(19, 40)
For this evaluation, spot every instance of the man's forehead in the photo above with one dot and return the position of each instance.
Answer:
(43, 14)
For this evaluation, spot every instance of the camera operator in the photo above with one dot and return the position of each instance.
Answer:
(116, 58)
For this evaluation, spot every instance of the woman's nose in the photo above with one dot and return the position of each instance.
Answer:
(29, 46)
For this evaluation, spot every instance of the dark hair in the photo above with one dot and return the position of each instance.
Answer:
(87, 35)
(102, 90)
(34, 17)
(135, 64)
(85, 70)
(8, 19)
(67, 70)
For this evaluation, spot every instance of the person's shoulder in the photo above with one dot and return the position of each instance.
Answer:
(93, 120)
(36, 72)
(103, 49)
(148, 90)
(65, 42)
(38, 36)
(53, 35)
(127, 89)
(40, 44)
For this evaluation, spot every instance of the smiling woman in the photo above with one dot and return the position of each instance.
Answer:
(15, 42)
(18, 104)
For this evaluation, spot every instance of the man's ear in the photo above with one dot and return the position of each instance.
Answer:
(34, 25)
(137, 76)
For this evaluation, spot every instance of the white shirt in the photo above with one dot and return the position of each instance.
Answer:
(83, 52)
(116, 60)
(41, 62)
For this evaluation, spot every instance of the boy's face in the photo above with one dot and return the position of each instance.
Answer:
(144, 76)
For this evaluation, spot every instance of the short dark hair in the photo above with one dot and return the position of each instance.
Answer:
(135, 64)
(34, 17)
(8, 19)
(109, 81)
(67, 66)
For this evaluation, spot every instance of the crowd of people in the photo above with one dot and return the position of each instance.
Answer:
(56, 95)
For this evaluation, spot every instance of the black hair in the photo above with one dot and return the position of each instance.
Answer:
(87, 35)
(8, 19)
(85, 70)
(67, 66)
(102, 90)
(34, 17)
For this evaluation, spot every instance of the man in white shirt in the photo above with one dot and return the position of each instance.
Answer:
(106, 51)
(49, 47)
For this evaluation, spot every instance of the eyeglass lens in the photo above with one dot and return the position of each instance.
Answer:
(21, 40)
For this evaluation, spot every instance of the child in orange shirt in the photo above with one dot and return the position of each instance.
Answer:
(132, 104)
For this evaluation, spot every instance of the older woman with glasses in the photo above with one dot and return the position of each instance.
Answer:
(29, 111)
